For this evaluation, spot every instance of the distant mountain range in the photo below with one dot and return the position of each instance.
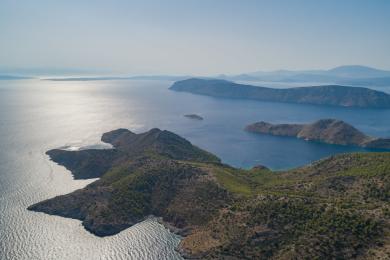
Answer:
(353, 75)
(332, 95)
(346, 75)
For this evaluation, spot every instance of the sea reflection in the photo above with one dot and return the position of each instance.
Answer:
(38, 115)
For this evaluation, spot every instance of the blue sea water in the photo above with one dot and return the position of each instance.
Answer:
(38, 115)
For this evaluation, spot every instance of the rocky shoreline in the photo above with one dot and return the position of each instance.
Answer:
(331, 131)
(224, 212)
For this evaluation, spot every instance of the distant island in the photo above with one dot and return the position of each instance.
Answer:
(330, 131)
(13, 77)
(333, 208)
(331, 95)
(102, 78)
(194, 116)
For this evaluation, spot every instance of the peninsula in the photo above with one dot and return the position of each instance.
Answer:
(334, 208)
(331, 95)
(331, 131)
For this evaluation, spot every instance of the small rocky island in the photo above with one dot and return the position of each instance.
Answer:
(194, 116)
(335, 208)
(331, 131)
(330, 95)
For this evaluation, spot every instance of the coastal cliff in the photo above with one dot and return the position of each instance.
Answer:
(331, 95)
(334, 208)
(330, 131)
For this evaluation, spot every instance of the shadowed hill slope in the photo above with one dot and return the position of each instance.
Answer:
(93, 163)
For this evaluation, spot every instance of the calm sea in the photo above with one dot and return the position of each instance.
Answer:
(37, 115)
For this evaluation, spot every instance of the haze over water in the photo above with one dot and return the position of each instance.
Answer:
(40, 115)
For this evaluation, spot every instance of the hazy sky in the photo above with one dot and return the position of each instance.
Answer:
(193, 37)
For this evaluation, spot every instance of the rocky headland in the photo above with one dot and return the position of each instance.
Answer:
(331, 131)
(335, 208)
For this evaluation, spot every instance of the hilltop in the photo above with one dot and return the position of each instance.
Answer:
(334, 208)
(332, 95)
(93, 163)
(330, 131)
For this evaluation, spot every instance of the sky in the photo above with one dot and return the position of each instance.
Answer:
(196, 37)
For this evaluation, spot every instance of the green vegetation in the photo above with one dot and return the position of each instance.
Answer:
(336, 208)
(232, 181)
